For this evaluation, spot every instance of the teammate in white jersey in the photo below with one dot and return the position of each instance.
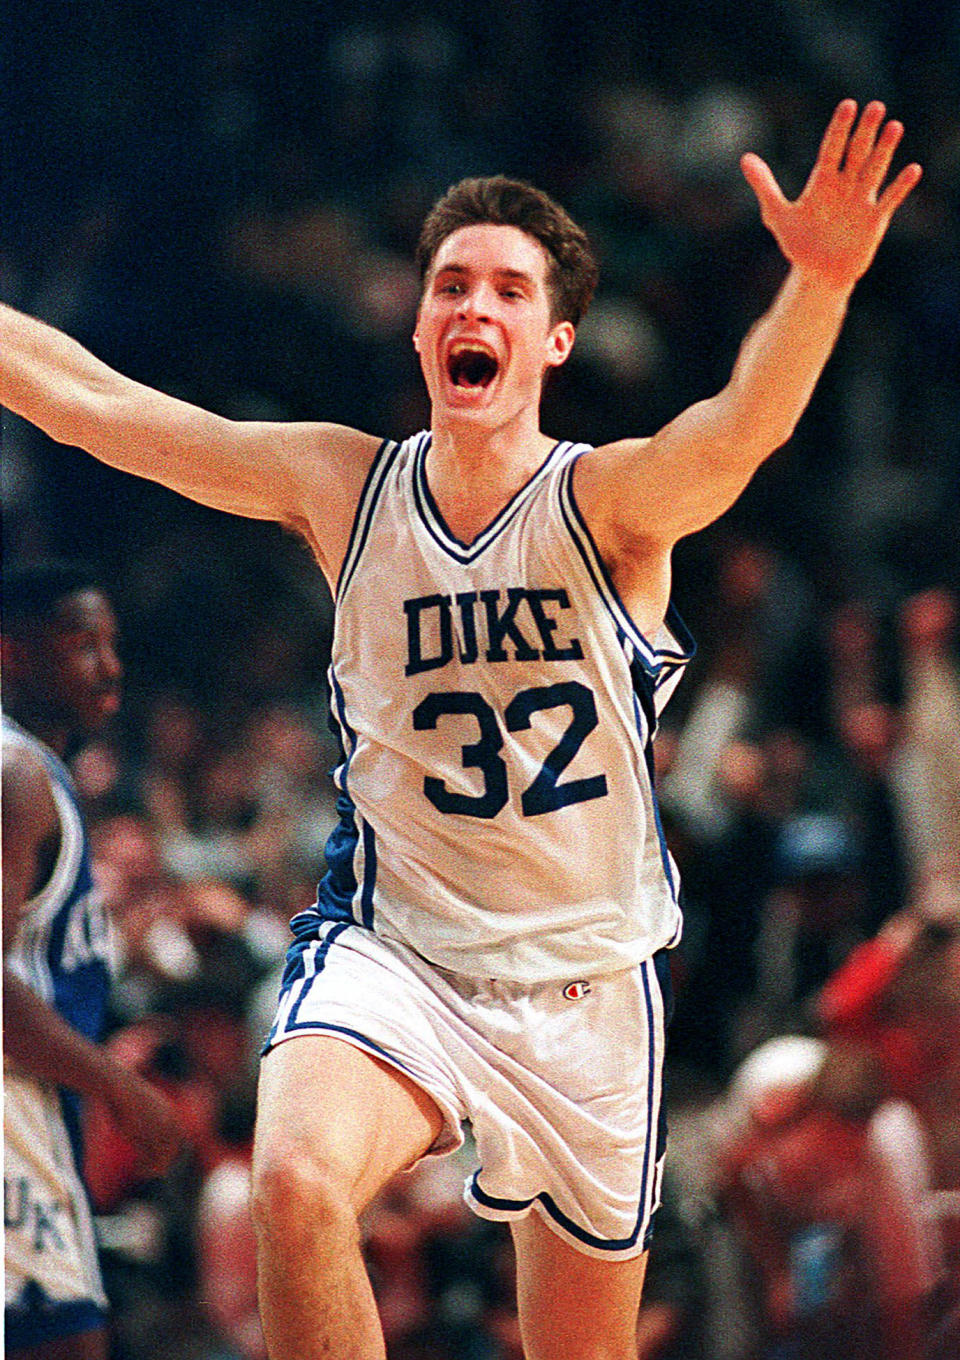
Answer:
(61, 681)
(496, 727)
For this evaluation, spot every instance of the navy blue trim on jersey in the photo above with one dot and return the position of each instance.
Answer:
(306, 960)
(433, 520)
(641, 700)
(369, 874)
(39, 1320)
(336, 895)
(363, 516)
(651, 1089)
(338, 887)
(65, 950)
(654, 659)
(318, 951)
(340, 717)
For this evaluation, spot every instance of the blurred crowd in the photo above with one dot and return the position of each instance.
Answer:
(222, 201)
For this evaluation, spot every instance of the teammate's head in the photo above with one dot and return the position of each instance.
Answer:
(59, 637)
(571, 264)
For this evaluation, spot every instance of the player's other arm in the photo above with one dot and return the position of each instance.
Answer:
(36, 1040)
(261, 470)
(655, 491)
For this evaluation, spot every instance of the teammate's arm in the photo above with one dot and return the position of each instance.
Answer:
(36, 1040)
(258, 469)
(651, 492)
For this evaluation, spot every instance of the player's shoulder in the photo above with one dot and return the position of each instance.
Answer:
(315, 446)
(600, 473)
(21, 749)
(27, 781)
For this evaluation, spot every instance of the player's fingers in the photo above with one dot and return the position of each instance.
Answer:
(760, 178)
(877, 164)
(834, 140)
(894, 194)
(864, 138)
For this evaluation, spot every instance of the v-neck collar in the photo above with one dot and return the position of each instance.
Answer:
(434, 523)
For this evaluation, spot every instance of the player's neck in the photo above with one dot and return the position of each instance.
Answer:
(474, 473)
(489, 457)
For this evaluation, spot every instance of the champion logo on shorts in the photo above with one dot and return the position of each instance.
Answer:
(574, 991)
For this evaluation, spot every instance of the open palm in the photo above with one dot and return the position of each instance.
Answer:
(834, 228)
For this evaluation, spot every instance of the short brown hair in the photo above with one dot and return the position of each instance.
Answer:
(572, 266)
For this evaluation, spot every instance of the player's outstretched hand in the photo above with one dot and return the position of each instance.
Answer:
(834, 228)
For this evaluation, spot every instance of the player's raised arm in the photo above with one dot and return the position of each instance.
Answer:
(261, 470)
(654, 491)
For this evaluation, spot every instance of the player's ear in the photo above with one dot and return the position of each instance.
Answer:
(560, 343)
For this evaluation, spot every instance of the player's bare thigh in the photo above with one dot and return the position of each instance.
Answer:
(573, 1306)
(327, 1105)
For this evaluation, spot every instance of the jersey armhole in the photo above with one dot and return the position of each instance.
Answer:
(43, 905)
(363, 516)
(653, 658)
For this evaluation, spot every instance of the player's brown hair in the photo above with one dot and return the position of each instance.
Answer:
(572, 271)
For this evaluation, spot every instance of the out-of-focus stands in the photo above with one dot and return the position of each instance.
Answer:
(833, 1167)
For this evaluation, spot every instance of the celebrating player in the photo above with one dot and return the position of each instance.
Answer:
(489, 941)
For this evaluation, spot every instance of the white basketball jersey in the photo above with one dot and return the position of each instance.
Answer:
(497, 706)
(62, 947)
(62, 950)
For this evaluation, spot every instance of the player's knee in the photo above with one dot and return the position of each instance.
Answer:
(294, 1188)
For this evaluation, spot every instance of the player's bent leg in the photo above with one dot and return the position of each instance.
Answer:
(573, 1306)
(334, 1125)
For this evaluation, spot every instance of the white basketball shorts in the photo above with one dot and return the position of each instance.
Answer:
(561, 1082)
(52, 1277)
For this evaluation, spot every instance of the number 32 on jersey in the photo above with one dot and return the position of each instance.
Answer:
(546, 793)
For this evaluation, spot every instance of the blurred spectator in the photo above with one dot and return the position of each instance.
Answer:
(839, 1157)
(225, 1242)
(929, 762)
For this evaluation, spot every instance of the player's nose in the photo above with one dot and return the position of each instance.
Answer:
(475, 303)
(111, 667)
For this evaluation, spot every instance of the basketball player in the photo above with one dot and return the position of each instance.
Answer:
(489, 940)
(61, 681)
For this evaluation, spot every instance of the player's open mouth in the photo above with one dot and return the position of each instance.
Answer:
(472, 366)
